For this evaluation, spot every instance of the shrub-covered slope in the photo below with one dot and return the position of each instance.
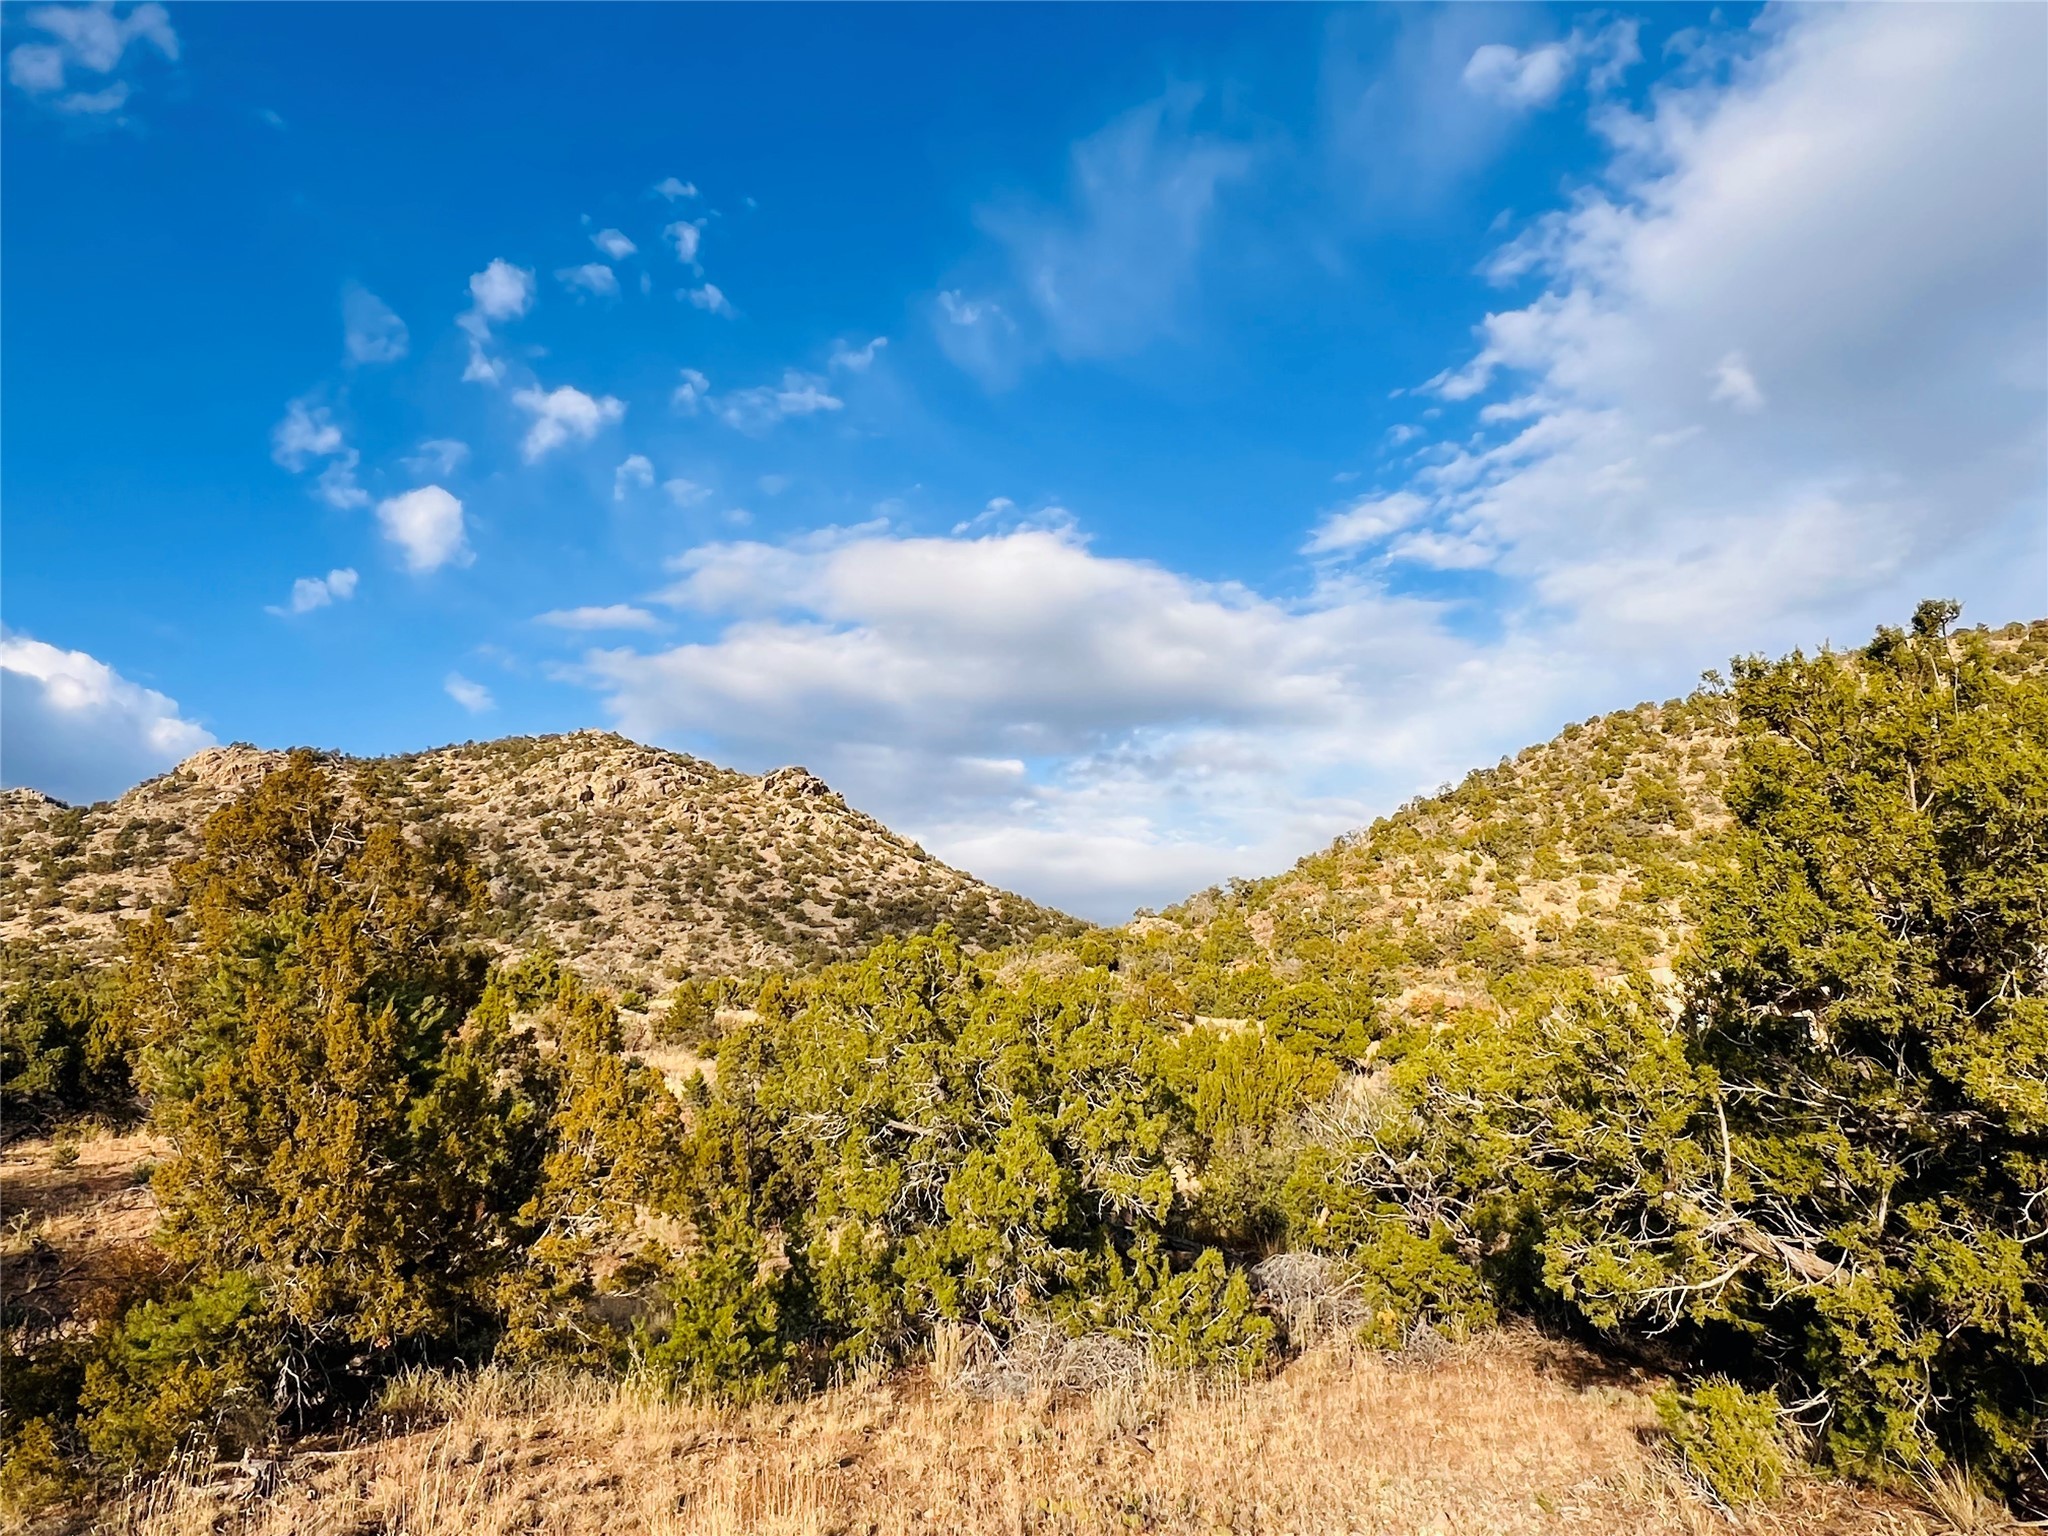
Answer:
(1579, 854)
(639, 865)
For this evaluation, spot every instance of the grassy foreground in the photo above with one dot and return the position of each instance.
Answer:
(1512, 1433)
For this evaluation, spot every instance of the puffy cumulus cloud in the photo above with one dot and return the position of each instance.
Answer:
(671, 189)
(500, 293)
(1783, 368)
(593, 277)
(91, 41)
(310, 592)
(1013, 696)
(563, 415)
(79, 730)
(635, 473)
(472, 696)
(427, 526)
(372, 332)
(614, 244)
(306, 432)
(606, 616)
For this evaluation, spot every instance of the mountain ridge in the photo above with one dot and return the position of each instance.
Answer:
(640, 864)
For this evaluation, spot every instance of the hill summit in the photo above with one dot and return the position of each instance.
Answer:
(640, 865)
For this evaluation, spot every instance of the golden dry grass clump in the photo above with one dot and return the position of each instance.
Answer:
(1509, 1435)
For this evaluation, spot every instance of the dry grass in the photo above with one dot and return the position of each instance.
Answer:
(1515, 1435)
(76, 1215)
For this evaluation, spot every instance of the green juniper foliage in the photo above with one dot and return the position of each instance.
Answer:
(1812, 1172)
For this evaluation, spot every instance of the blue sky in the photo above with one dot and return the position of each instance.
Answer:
(1122, 447)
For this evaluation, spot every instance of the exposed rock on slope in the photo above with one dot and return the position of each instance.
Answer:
(638, 864)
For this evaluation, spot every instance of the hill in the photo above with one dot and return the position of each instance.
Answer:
(639, 865)
(1577, 854)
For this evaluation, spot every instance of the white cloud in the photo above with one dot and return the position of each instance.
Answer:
(1734, 383)
(37, 68)
(563, 415)
(1192, 728)
(482, 368)
(614, 244)
(672, 189)
(692, 392)
(686, 235)
(1110, 272)
(103, 102)
(1768, 382)
(1534, 77)
(472, 696)
(636, 472)
(86, 40)
(857, 359)
(759, 408)
(1522, 79)
(1365, 521)
(499, 293)
(337, 483)
(311, 592)
(438, 456)
(426, 525)
(592, 277)
(609, 616)
(79, 730)
(710, 297)
(372, 330)
(686, 493)
(306, 432)
(1839, 232)
(978, 335)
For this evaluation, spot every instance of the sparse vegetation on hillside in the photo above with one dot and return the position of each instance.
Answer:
(1801, 1167)
(639, 866)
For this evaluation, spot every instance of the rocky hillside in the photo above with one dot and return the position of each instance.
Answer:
(1578, 853)
(641, 865)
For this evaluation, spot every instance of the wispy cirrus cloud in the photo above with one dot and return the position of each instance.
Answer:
(1111, 268)
(372, 332)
